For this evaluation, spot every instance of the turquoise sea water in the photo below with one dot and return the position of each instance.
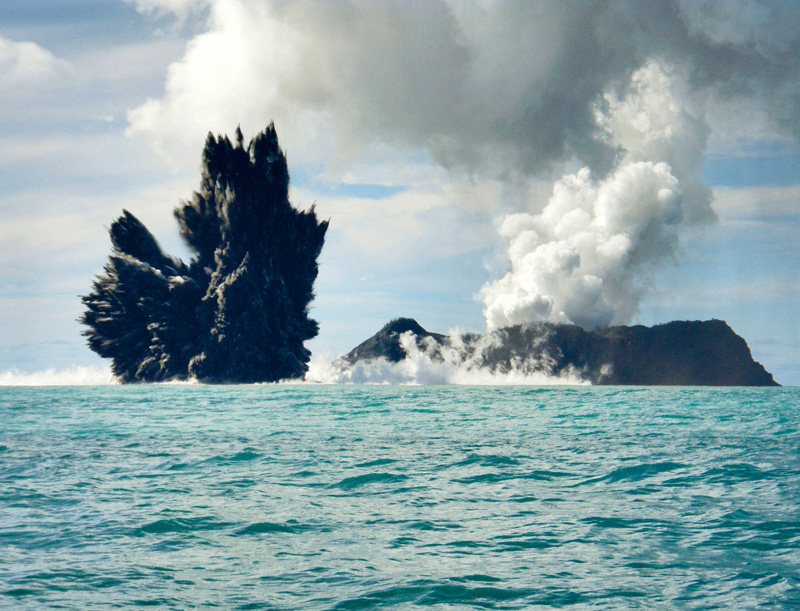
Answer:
(330, 497)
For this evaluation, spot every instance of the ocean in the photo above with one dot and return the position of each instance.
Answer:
(317, 497)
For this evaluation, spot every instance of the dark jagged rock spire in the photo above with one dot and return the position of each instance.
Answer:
(239, 311)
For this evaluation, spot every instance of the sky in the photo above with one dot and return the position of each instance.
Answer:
(481, 163)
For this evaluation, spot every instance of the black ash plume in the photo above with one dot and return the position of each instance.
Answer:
(238, 312)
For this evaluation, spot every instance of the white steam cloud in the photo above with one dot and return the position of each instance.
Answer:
(589, 256)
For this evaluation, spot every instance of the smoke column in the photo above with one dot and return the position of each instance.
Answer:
(238, 312)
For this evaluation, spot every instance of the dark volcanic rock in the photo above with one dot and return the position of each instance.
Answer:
(685, 353)
(238, 311)
(386, 342)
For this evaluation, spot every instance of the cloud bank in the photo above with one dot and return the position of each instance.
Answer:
(28, 64)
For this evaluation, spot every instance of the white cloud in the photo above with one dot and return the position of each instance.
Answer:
(387, 168)
(178, 7)
(761, 202)
(227, 76)
(24, 64)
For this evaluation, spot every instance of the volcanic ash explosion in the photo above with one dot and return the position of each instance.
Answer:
(238, 312)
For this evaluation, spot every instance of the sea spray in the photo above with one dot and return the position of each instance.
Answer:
(427, 362)
(72, 376)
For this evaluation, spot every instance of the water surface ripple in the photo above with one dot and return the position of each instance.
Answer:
(318, 497)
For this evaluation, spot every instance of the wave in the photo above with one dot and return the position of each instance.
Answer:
(73, 376)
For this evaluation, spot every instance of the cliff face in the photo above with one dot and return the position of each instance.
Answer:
(700, 353)
(685, 353)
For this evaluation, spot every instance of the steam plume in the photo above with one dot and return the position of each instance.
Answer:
(238, 312)
(589, 256)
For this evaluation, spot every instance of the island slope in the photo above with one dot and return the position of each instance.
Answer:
(684, 353)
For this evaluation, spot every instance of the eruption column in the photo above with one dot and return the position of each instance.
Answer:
(238, 312)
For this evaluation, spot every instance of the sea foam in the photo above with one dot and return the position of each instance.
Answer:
(72, 376)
